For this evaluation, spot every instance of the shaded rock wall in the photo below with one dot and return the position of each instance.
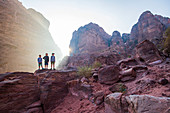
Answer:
(107, 57)
(18, 90)
(23, 36)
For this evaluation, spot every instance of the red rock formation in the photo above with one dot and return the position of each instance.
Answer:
(92, 38)
(53, 87)
(150, 27)
(47, 91)
(41, 91)
(24, 35)
(89, 38)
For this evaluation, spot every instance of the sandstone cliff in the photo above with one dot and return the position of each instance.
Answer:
(150, 27)
(23, 36)
(89, 38)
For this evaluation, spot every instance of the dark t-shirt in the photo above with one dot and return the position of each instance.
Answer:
(46, 58)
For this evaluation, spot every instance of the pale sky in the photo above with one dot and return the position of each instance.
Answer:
(66, 16)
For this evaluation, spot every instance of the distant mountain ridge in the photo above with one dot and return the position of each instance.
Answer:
(92, 37)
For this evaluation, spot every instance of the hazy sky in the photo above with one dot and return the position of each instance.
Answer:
(66, 16)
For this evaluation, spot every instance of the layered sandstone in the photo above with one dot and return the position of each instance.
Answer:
(89, 38)
(23, 36)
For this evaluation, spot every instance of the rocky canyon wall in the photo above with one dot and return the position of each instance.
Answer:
(92, 38)
(24, 35)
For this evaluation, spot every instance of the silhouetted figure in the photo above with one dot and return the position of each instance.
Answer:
(40, 62)
(53, 61)
(46, 59)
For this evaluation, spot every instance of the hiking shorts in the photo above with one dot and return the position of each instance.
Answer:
(40, 64)
(46, 63)
(52, 62)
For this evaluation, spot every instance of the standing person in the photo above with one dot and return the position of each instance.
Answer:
(53, 61)
(46, 59)
(40, 62)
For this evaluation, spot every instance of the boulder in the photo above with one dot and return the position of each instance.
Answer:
(128, 62)
(109, 74)
(147, 104)
(18, 91)
(117, 103)
(147, 51)
(113, 103)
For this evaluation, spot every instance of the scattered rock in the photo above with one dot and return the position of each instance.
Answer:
(95, 77)
(140, 67)
(84, 79)
(127, 75)
(128, 62)
(109, 74)
(163, 81)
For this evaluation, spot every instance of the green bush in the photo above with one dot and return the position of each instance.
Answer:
(121, 88)
(84, 71)
(96, 64)
(167, 41)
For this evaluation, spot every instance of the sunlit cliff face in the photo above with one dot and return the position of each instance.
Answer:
(23, 36)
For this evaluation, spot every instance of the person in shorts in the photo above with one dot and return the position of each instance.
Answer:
(53, 61)
(46, 60)
(40, 62)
